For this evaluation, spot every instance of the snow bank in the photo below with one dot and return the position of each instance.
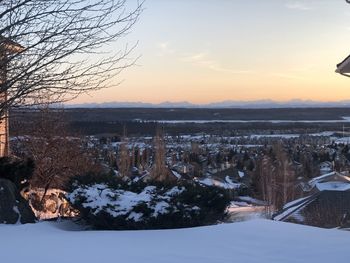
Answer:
(256, 241)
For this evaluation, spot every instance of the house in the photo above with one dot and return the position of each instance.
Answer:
(329, 178)
(231, 172)
(7, 48)
(344, 67)
(184, 169)
(326, 167)
(232, 180)
(226, 183)
(327, 208)
(304, 188)
(236, 175)
(170, 176)
(327, 203)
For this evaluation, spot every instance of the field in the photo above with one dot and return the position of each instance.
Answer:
(140, 121)
(128, 114)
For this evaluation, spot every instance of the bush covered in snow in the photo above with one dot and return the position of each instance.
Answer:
(118, 205)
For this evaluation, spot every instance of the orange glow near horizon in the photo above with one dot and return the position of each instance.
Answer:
(271, 51)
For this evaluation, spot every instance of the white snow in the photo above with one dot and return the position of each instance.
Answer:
(161, 208)
(333, 186)
(252, 200)
(135, 216)
(235, 204)
(228, 184)
(292, 203)
(176, 190)
(100, 197)
(325, 177)
(257, 241)
(115, 202)
(343, 140)
(313, 181)
(176, 174)
(291, 209)
(245, 210)
(241, 174)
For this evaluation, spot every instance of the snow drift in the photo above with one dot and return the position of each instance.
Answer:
(257, 241)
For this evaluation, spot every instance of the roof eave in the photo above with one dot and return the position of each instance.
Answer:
(10, 46)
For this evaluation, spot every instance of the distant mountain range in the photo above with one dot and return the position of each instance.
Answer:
(257, 104)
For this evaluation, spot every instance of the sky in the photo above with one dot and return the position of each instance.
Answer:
(205, 51)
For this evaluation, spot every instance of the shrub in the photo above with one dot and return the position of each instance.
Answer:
(16, 170)
(120, 205)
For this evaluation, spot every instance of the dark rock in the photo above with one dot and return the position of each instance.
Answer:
(13, 207)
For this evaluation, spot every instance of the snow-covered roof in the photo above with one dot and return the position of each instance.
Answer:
(322, 177)
(241, 174)
(225, 184)
(176, 174)
(333, 186)
(328, 190)
(292, 208)
(331, 177)
(251, 200)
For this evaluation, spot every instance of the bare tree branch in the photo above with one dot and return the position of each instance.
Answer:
(67, 47)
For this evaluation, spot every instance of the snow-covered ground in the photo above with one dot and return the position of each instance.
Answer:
(242, 211)
(246, 208)
(227, 184)
(252, 241)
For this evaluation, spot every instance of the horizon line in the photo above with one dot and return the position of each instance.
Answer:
(220, 104)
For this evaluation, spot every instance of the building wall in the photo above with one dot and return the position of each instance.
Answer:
(4, 127)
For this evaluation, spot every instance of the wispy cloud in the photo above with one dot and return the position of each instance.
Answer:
(287, 76)
(298, 5)
(203, 60)
(164, 48)
(194, 57)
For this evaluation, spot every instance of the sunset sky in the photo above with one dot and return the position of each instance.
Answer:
(213, 50)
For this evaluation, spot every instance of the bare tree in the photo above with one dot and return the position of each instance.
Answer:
(275, 178)
(265, 175)
(159, 169)
(57, 155)
(124, 159)
(285, 176)
(66, 47)
(310, 168)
